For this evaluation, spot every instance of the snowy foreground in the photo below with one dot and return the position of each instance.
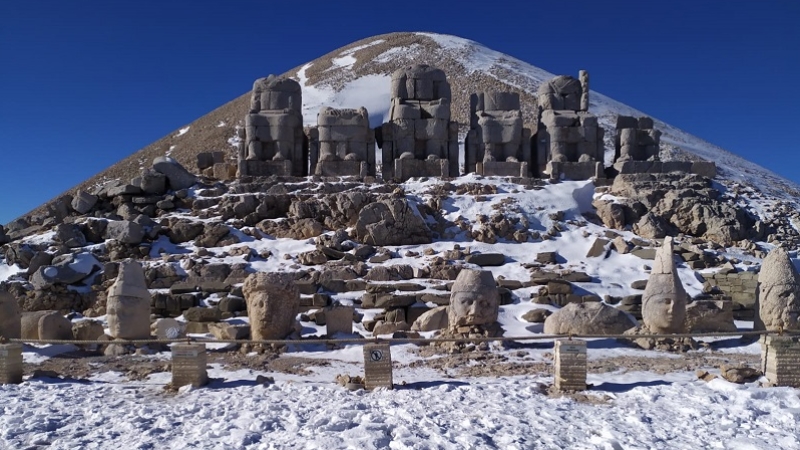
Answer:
(426, 410)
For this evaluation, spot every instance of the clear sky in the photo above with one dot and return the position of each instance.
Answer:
(86, 83)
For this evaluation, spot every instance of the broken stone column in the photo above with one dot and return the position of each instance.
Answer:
(474, 299)
(664, 299)
(778, 292)
(377, 366)
(273, 301)
(584, 77)
(128, 304)
(10, 363)
(10, 316)
(570, 365)
(343, 144)
(189, 365)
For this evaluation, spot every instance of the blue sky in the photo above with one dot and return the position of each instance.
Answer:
(86, 83)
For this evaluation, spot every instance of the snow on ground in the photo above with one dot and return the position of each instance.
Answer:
(426, 410)
(182, 131)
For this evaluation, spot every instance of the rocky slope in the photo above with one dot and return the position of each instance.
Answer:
(358, 75)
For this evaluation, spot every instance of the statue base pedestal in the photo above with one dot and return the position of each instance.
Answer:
(502, 169)
(342, 169)
(254, 168)
(410, 168)
(576, 170)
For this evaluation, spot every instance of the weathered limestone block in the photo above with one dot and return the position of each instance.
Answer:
(10, 317)
(474, 299)
(128, 303)
(434, 319)
(497, 144)
(273, 302)
(664, 299)
(338, 319)
(391, 222)
(177, 176)
(125, 231)
(54, 326)
(570, 365)
(779, 292)
(10, 363)
(780, 360)
(189, 365)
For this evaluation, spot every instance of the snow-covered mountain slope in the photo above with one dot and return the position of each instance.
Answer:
(359, 75)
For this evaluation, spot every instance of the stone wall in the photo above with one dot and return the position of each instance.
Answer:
(739, 287)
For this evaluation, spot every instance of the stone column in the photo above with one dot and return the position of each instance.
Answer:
(584, 78)
(10, 363)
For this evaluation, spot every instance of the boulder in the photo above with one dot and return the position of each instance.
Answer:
(125, 231)
(83, 202)
(29, 322)
(65, 269)
(70, 235)
(312, 258)
(53, 326)
(153, 182)
(177, 176)
(538, 315)
(128, 303)
(184, 230)
(593, 318)
(664, 299)
(434, 319)
(778, 292)
(391, 222)
(229, 332)
(87, 330)
(168, 329)
(474, 299)
(273, 302)
(598, 248)
(10, 317)
(707, 316)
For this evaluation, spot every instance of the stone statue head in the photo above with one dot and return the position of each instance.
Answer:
(420, 82)
(474, 299)
(664, 298)
(276, 93)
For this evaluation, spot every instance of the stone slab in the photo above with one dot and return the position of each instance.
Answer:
(339, 319)
(377, 366)
(189, 365)
(405, 169)
(502, 169)
(10, 363)
(570, 365)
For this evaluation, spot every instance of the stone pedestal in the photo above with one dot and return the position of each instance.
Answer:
(502, 169)
(570, 365)
(576, 170)
(780, 360)
(10, 363)
(189, 365)
(339, 319)
(343, 169)
(704, 169)
(377, 366)
(409, 168)
(254, 168)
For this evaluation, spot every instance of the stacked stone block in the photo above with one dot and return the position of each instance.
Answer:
(780, 360)
(189, 365)
(274, 141)
(339, 319)
(10, 363)
(636, 139)
(497, 144)
(342, 144)
(570, 365)
(740, 287)
(569, 141)
(419, 139)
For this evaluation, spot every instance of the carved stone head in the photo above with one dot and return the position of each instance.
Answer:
(474, 299)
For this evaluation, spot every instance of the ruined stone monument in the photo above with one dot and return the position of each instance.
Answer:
(128, 303)
(273, 301)
(419, 139)
(780, 360)
(637, 145)
(664, 298)
(779, 292)
(569, 141)
(497, 143)
(474, 299)
(342, 144)
(274, 142)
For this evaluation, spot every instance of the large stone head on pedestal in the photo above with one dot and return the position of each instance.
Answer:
(273, 301)
(420, 82)
(664, 299)
(779, 292)
(474, 299)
